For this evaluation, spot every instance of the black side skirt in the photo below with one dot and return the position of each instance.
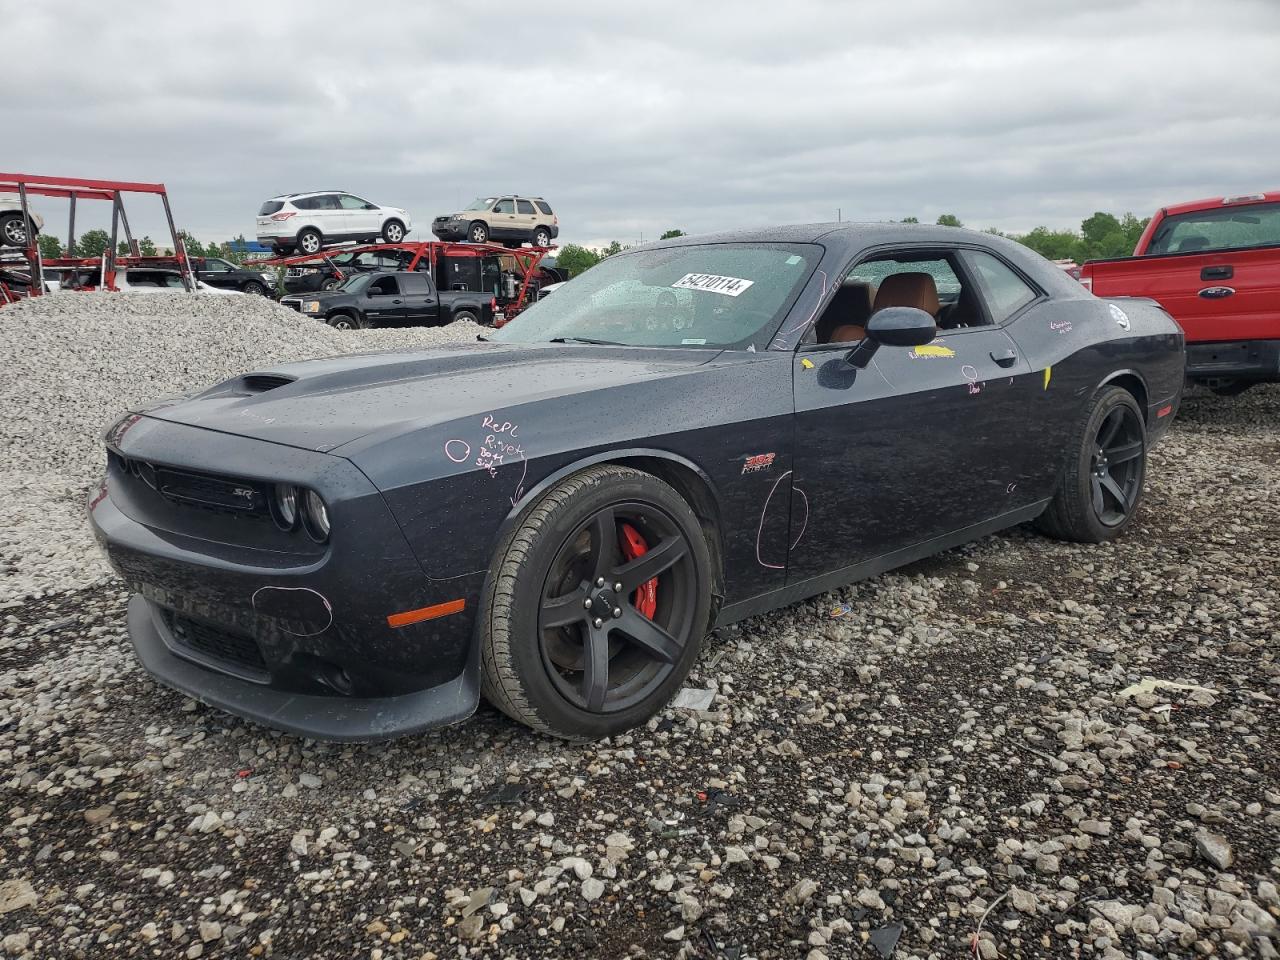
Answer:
(794, 592)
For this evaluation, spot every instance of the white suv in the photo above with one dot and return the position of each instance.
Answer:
(308, 221)
(13, 232)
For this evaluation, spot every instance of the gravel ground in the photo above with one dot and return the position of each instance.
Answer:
(959, 751)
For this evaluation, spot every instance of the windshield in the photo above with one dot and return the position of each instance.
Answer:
(356, 283)
(705, 295)
(481, 203)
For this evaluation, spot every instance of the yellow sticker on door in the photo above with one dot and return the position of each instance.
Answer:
(1048, 372)
(932, 350)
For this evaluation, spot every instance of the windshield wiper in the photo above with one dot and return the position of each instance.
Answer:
(598, 343)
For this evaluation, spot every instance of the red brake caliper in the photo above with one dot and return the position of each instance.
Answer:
(633, 545)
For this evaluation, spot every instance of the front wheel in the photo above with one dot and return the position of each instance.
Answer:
(13, 231)
(253, 286)
(344, 321)
(1101, 486)
(479, 233)
(597, 605)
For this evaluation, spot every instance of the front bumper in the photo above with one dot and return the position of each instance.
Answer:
(294, 636)
(1256, 360)
(450, 230)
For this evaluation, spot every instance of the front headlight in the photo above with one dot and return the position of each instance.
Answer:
(311, 306)
(316, 517)
(285, 506)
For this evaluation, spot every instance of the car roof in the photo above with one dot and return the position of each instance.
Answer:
(1213, 203)
(307, 193)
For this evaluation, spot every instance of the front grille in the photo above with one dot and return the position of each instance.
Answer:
(243, 498)
(292, 304)
(215, 643)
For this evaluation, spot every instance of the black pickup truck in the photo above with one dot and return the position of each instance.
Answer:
(392, 299)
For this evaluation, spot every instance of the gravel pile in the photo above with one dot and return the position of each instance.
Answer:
(1022, 748)
(72, 364)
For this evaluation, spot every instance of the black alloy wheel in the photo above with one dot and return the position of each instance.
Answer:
(1101, 482)
(601, 653)
(253, 286)
(1116, 466)
(597, 604)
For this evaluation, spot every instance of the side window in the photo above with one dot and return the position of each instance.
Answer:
(217, 266)
(307, 203)
(384, 287)
(1004, 291)
(505, 205)
(416, 283)
(524, 207)
(543, 207)
(348, 202)
(328, 201)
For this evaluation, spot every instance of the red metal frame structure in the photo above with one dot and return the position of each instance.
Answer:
(77, 188)
(526, 258)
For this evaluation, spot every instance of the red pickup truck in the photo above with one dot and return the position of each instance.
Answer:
(1214, 265)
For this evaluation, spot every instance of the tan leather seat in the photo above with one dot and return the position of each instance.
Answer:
(845, 318)
(908, 290)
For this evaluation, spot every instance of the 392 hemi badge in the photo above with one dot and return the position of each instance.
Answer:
(756, 462)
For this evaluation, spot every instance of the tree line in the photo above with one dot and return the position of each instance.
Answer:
(1100, 236)
(94, 243)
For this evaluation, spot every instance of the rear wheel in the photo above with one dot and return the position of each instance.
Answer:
(478, 233)
(332, 283)
(1101, 486)
(542, 237)
(309, 240)
(597, 606)
(465, 315)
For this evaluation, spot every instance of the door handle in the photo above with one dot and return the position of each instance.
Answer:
(397, 301)
(1216, 293)
(1222, 272)
(1005, 358)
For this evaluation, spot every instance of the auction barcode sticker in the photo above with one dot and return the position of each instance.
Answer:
(729, 286)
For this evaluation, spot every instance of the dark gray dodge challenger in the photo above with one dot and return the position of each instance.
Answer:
(687, 434)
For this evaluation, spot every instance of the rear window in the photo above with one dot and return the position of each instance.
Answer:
(543, 207)
(270, 207)
(1229, 228)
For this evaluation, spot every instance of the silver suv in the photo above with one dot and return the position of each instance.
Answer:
(511, 219)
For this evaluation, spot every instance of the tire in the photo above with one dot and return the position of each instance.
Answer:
(393, 231)
(344, 321)
(542, 237)
(463, 315)
(253, 286)
(1101, 487)
(309, 240)
(281, 250)
(332, 283)
(545, 676)
(13, 232)
(478, 232)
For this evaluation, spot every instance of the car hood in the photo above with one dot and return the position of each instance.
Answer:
(322, 404)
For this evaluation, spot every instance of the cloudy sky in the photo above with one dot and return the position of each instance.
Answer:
(635, 117)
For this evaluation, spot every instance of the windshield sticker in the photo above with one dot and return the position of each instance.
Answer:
(932, 350)
(792, 261)
(711, 283)
(696, 341)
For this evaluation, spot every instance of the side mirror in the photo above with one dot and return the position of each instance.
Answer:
(894, 327)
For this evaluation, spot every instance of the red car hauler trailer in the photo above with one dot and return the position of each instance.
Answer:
(1214, 265)
(26, 185)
